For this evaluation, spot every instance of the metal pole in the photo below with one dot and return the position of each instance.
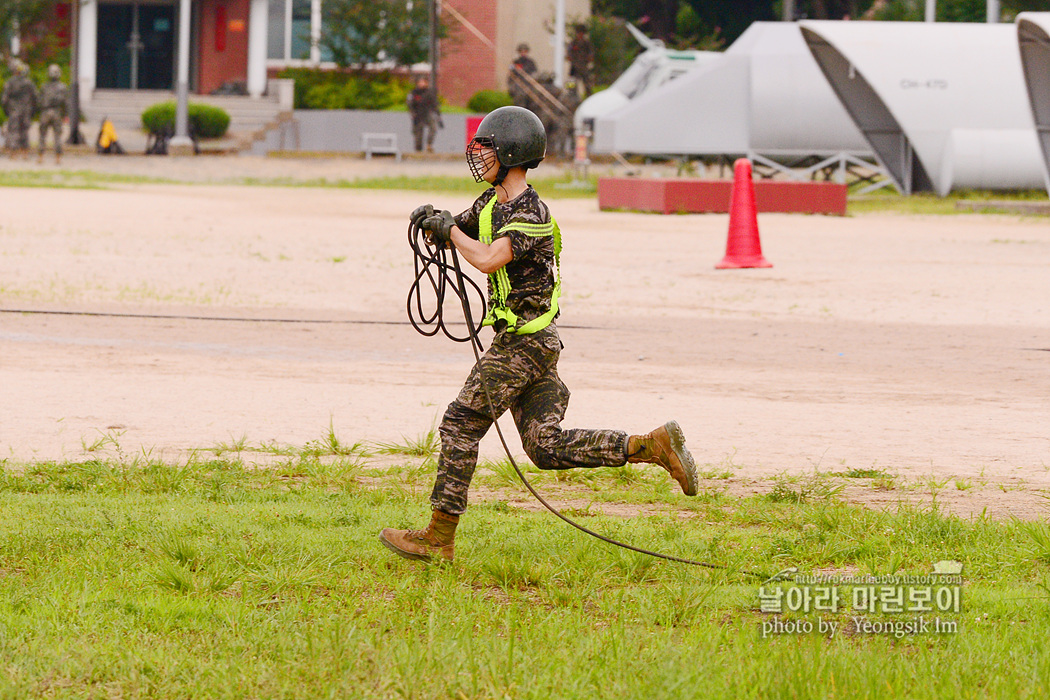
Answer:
(434, 10)
(931, 10)
(993, 11)
(182, 121)
(75, 138)
(559, 43)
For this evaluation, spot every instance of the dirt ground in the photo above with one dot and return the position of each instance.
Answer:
(168, 318)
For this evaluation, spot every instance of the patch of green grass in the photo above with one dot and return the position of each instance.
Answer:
(73, 179)
(503, 474)
(425, 445)
(887, 201)
(862, 474)
(800, 488)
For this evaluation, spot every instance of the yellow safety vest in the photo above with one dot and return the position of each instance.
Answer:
(500, 282)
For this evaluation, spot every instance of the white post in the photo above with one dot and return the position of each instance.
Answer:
(181, 141)
(559, 43)
(993, 11)
(931, 10)
(88, 44)
(788, 11)
(16, 39)
(257, 18)
(315, 32)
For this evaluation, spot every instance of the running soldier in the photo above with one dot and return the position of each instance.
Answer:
(53, 99)
(19, 102)
(509, 234)
(426, 116)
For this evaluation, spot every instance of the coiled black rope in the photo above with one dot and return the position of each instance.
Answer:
(431, 263)
(432, 266)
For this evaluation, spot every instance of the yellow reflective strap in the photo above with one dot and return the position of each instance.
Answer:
(500, 281)
(531, 230)
(541, 322)
(485, 221)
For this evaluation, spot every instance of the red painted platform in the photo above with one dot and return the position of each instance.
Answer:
(686, 196)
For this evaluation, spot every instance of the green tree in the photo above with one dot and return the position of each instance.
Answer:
(951, 10)
(690, 23)
(614, 47)
(359, 32)
(23, 14)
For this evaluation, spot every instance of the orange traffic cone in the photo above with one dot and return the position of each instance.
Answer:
(743, 249)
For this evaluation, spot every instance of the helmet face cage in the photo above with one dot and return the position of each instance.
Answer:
(481, 155)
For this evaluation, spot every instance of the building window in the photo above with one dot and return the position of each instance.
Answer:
(293, 27)
(301, 30)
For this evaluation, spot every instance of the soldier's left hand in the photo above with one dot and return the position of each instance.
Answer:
(440, 226)
(422, 211)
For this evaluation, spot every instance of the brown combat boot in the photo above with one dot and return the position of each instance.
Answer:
(436, 539)
(666, 446)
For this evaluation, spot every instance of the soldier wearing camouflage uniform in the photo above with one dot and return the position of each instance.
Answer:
(509, 234)
(426, 115)
(53, 99)
(19, 102)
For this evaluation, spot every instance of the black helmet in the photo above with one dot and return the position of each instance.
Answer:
(517, 137)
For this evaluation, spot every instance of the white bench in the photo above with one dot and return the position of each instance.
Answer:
(383, 144)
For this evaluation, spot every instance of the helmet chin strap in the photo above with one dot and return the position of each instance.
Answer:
(501, 175)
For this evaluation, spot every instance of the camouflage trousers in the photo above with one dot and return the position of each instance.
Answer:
(521, 373)
(18, 130)
(424, 128)
(51, 119)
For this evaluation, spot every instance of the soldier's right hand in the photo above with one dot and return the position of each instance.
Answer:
(421, 212)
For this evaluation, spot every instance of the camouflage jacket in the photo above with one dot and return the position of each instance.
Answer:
(421, 103)
(19, 96)
(532, 271)
(53, 96)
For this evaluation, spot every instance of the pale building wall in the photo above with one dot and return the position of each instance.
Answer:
(531, 21)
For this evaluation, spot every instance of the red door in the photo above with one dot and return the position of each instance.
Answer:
(223, 43)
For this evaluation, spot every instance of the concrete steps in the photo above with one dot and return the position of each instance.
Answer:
(250, 118)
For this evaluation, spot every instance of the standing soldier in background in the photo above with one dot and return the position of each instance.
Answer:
(581, 58)
(562, 141)
(19, 102)
(515, 87)
(53, 98)
(524, 61)
(426, 116)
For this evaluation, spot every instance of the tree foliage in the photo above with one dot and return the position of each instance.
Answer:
(35, 23)
(689, 23)
(359, 32)
(952, 10)
(709, 24)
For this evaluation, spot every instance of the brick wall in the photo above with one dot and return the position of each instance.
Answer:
(467, 63)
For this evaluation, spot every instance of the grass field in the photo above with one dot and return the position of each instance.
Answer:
(126, 576)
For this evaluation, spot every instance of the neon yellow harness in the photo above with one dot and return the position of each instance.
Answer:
(500, 282)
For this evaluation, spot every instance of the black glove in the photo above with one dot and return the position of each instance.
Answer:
(422, 211)
(440, 226)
